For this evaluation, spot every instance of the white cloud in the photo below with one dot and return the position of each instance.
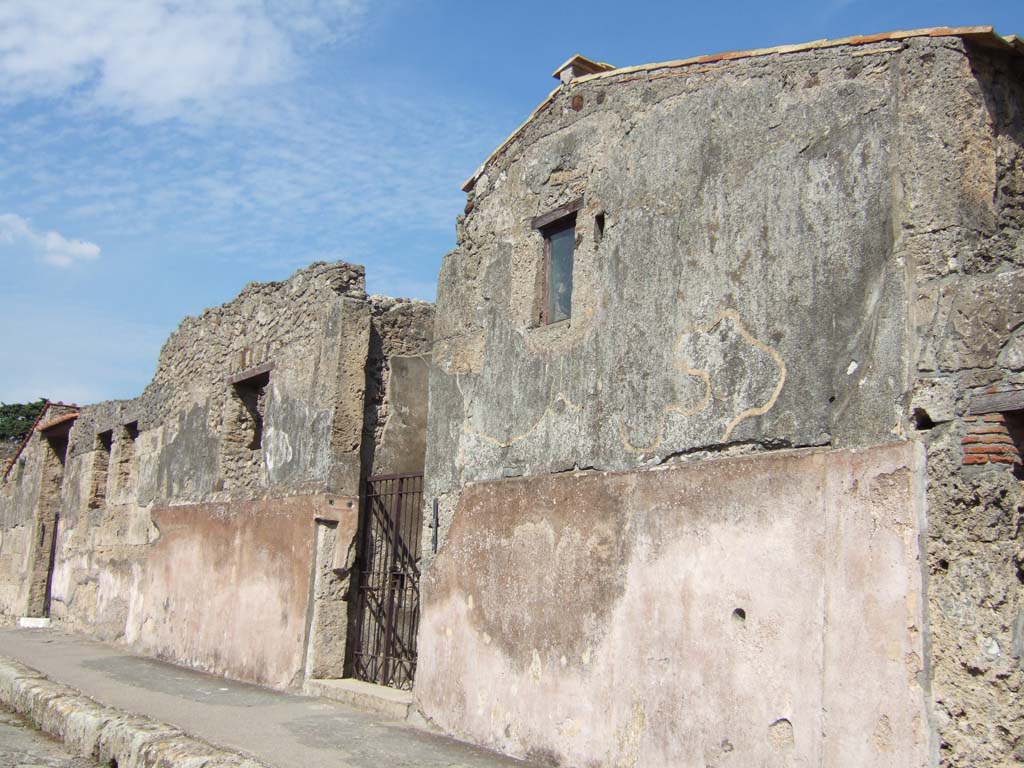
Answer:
(155, 59)
(51, 247)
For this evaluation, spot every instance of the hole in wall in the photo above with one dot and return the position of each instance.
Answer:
(599, 228)
(943, 565)
(739, 615)
(113, 762)
(922, 421)
(780, 735)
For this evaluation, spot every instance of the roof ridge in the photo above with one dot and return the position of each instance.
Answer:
(985, 35)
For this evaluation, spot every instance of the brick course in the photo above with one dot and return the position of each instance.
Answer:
(988, 440)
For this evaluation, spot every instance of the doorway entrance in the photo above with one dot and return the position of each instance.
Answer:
(388, 608)
(47, 517)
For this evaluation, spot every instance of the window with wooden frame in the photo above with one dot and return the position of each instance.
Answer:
(559, 231)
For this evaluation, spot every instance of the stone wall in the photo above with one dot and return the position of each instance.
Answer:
(212, 520)
(255, 626)
(817, 247)
(396, 386)
(750, 611)
(966, 193)
(742, 290)
(33, 475)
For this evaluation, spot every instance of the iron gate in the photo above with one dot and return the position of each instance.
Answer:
(389, 581)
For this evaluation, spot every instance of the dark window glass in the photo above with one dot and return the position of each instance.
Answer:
(559, 285)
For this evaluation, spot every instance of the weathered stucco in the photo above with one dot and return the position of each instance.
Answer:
(29, 497)
(752, 611)
(815, 250)
(256, 629)
(212, 520)
(814, 247)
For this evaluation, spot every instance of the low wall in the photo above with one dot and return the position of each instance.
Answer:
(226, 587)
(754, 611)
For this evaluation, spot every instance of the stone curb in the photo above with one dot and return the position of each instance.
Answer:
(110, 736)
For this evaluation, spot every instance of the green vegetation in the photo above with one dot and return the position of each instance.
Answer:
(17, 419)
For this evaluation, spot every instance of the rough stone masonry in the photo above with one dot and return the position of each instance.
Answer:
(747, 503)
(726, 392)
(212, 520)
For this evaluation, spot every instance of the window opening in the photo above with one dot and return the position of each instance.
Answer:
(559, 231)
(126, 454)
(558, 248)
(252, 393)
(100, 468)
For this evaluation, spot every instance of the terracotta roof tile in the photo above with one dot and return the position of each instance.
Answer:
(58, 421)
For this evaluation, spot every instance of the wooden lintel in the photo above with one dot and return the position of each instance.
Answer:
(250, 373)
(995, 402)
(539, 222)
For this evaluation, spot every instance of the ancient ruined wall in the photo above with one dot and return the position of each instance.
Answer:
(254, 626)
(393, 442)
(741, 288)
(395, 423)
(19, 495)
(962, 237)
(313, 329)
(814, 248)
(29, 491)
(735, 612)
(171, 497)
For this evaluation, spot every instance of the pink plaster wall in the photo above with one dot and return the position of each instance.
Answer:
(226, 588)
(588, 619)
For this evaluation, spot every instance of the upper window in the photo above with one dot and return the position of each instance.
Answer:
(559, 231)
(558, 272)
(250, 395)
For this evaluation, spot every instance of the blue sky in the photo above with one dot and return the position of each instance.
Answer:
(157, 155)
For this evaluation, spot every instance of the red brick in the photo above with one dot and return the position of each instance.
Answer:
(996, 418)
(987, 429)
(1005, 449)
(1004, 439)
(975, 459)
(1004, 459)
(970, 439)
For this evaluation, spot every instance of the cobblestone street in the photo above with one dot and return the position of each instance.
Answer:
(22, 746)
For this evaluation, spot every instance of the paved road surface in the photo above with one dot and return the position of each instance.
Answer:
(279, 729)
(22, 746)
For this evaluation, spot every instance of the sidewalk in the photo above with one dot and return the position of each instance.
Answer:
(278, 729)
